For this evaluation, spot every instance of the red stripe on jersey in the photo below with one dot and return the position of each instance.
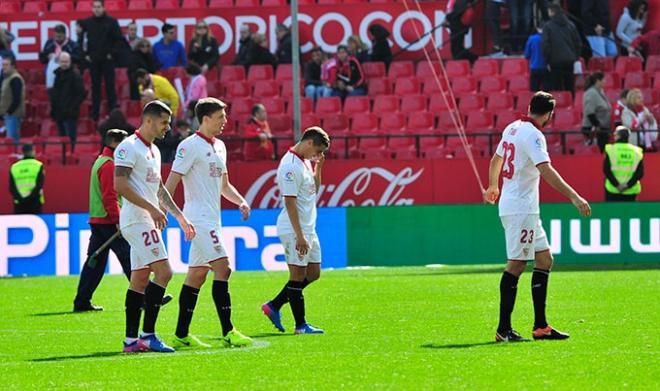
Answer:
(207, 139)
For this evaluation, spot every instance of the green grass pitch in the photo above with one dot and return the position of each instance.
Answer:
(395, 328)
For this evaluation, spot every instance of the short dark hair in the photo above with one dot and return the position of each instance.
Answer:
(207, 106)
(181, 123)
(593, 78)
(166, 27)
(27, 148)
(140, 73)
(60, 28)
(193, 69)
(542, 103)
(11, 59)
(317, 49)
(624, 93)
(282, 27)
(317, 135)
(342, 47)
(256, 108)
(156, 108)
(555, 8)
(114, 135)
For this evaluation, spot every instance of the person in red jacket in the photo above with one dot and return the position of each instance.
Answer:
(347, 78)
(258, 129)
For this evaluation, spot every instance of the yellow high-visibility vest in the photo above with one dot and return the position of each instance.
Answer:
(624, 159)
(25, 173)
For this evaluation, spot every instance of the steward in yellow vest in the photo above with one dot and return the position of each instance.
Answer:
(26, 182)
(623, 168)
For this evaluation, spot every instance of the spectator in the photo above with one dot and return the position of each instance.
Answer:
(493, 10)
(169, 144)
(640, 121)
(67, 95)
(260, 54)
(380, 46)
(196, 89)
(538, 76)
(620, 104)
(597, 111)
(203, 48)
(81, 45)
(560, 45)
(26, 183)
(103, 43)
(259, 129)
(460, 14)
(328, 75)
(647, 44)
(623, 168)
(51, 52)
(5, 44)
(358, 49)
(284, 52)
(596, 18)
(116, 120)
(312, 74)
(160, 87)
(245, 44)
(521, 15)
(142, 57)
(12, 98)
(168, 51)
(347, 78)
(631, 23)
(132, 37)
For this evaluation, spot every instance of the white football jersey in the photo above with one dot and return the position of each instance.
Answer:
(144, 160)
(295, 177)
(202, 162)
(523, 148)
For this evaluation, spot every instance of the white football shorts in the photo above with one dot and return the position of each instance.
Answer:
(146, 243)
(524, 236)
(291, 254)
(206, 246)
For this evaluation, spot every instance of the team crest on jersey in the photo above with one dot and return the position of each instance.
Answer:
(214, 170)
(121, 154)
(181, 153)
(152, 176)
(155, 252)
(217, 248)
(525, 251)
(289, 176)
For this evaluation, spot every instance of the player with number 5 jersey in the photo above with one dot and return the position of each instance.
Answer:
(522, 159)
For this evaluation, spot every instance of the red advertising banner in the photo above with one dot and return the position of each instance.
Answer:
(324, 25)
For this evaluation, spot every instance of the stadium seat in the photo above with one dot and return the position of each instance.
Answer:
(603, 64)
(437, 103)
(215, 88)
(407, 86)
(393, 122)
(273, 3)
(577, 101)
(399, 69)
(402, 143)
(613, 95)
(638, 79)
(307, 120)
(35, 7)
(500, 101)
(431, 85)
(446, 121)
(471, 103)
(374, 69)
(627, 64)
(221, 3)
(423, 122)
(139, 5)
(280, 124)
(62, 6)
(284, 72)
(514, 67)
(457, 68)
(260, 72)
(479, 122)
(84, 6)
(238, 89)
(465, 85)
(426, 70)
(167, 4)
(386, 104)
(274, 105)
(115, 5)
(485, 67)
(336, 123)
(372, 143)
(379, 86)
(265, 88)
(246, 3)
(287, 89)
(656, 80)
(364, 123)
(241, 108)
(413, 103)
(612, 80)
(327, 2)
(35, 76)
(306, 106)
(519, 83)
(428, 143)
(47, 128)
(193, 4)
(131, 108)
(489, 84)
(653, 64)
(504, 118)
(357, 104)
(567, 120)
(330, 105)
(564, 99)
(522, 100)
(7, 8)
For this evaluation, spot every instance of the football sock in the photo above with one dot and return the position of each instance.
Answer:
(539, 294)
(153, 300)
(222, 302)
(187, 303)
(508, 290)
(282, 297)
(133, 308)
(297, 301)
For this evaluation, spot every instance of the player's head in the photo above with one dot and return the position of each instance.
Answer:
(98, 8)
(211, 114)
(142, 76)
(64, 60)
(114, 137)
(541, 107)
(28, 150)
(60, 33)
(314, 142)
(156, 117)
(622, 134)
(259, 112)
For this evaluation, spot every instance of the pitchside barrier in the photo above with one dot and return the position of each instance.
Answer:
(56, 244)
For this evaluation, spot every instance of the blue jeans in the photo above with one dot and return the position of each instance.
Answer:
(602, 46)
(312, 91)
(13, 126)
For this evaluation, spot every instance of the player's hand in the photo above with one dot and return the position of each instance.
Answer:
(187, 227)
(245, 210)
(582, 206)
(302, 246)
(160, 219)
(320, 160)
(491, 194)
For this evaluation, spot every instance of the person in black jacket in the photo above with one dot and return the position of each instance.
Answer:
(284, 51)
(67, 95)
(380, 47)
(116, 120)
(58, 44)
(596, 19)
(561, 46)
(245, 44)
(142, 57)
(104, 40)
(458, 28)
(260, 55)
(203, 48)
(312, 74)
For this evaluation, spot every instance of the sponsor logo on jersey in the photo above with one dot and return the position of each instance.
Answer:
(289, 176)
(214, 170)
(181, 153)
(152, 176)
(121, 154)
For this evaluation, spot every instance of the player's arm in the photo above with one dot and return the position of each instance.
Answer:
(124, 189)
(494, 170)
(173, 182)
(552, 177)
(291, 205)
(167, 203)
(231, 193)
(318, 171)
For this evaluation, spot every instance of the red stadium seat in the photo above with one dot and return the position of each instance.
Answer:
(426, 70)
(577, 101)
(413, 103)
(131, 108)
(115, 5)
(238, 89)
(519, 83)
(464, 85)
(603, 64)
(138, 5)
(364, 123)
(386, 104)
(489, 84)
(399, 69)
(485, 67)
(84, 6)
(62, 6)
(514, 67)
(421, 122)
(247, 3)
(284, 72)
(330, 105)
(393, 122)
(167, 4)
(471, 103)
(656, 80)
(564, 99)
(280, 124)
(336, 123)
(479, 122)
(287, 89)
(7, 8)
(379, 86)
(653, 64)
(374, 69)
(407, 86)
(274, 105)
(266, 88)
(307, 120)
(402, 143)
(357, 104)
(522, 101)
(628, 64)
(612, 80)
(502, 101)
(431, 85)
(371, 143)
(221, 3)
(35, 7)
(639, 79)
(260, 72)
(329, 2)
(193, 4)
(241, 108)
(306, 106)
(447, 121)
(215, 88)
(567, 120)
(456, 68)
(437, 103)
(504, 118)
(273, 3)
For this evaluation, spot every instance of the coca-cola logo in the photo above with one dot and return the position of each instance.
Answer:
(365, 186)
